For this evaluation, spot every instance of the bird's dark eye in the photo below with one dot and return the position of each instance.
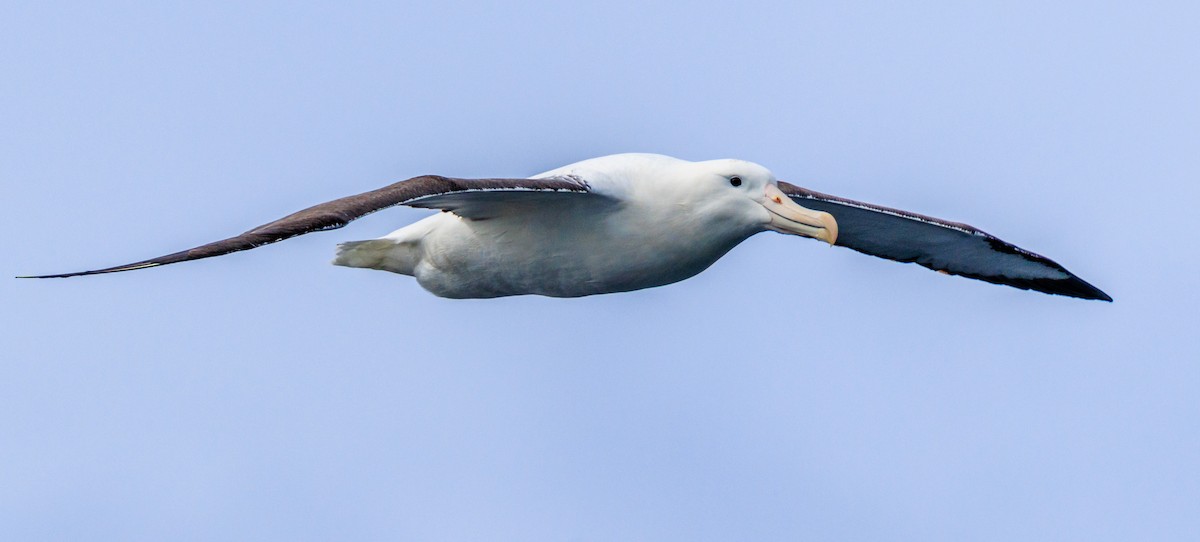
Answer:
(735, 181)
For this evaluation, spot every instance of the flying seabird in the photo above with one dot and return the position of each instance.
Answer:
(626, 222)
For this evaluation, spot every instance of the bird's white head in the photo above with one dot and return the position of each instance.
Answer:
(745, 193)
(729, 200)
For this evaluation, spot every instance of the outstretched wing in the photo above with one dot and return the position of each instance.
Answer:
(426, 191)
(948, 247)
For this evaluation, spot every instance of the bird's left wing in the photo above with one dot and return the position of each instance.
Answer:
(429, 191)
(947, 247)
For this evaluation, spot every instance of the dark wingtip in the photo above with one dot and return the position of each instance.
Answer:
(59, 276)
(1097, 294)
(1101, 296)
(1077, 287)
(118, 269)
(1070, 287)
(47, 276)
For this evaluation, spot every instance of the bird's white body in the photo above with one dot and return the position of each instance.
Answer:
(652, 220)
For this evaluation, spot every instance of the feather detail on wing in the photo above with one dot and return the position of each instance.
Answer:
(419, 192)
(947, 247)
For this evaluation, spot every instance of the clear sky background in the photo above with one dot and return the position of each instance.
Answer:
(793, 391)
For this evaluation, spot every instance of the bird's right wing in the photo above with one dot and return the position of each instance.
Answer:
(948, 247)
(428, 191)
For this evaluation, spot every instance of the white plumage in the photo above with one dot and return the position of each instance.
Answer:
(646, 220)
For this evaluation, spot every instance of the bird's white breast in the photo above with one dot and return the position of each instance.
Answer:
(645, 222)
(568, 250)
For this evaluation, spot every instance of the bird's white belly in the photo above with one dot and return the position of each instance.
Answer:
(553, 254)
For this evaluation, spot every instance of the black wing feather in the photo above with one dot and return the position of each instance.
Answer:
(948, 247)
(337, 213)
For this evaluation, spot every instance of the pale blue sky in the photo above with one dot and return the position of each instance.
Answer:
(791, 392)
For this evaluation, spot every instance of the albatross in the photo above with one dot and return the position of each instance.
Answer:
(626, 222)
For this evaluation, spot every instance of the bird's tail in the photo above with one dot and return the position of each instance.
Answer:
(382, 254)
